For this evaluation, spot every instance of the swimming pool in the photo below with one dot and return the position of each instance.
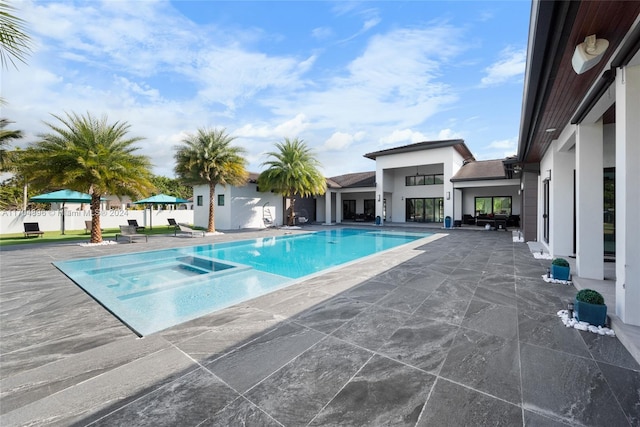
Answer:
(151, 291)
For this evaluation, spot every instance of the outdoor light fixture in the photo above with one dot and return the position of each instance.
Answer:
(378, 197)
(448, 195)
(570, 308)
(588, 53)
(548, 175)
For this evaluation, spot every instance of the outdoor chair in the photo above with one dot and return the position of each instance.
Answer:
(184, 229)
(172, 224)
(129, 232)
(134, 223)
(32, 229)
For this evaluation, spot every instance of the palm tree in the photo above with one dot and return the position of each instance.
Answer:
(208, 158)
(14, 41)
(293, 170)
(5, 136)
(87, 154)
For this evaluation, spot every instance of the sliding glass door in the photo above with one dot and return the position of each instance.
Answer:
(425, 210)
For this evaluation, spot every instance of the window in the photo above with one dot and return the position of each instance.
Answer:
(199, 201)
(424, 179)
(220, 199)
(425, 210)
(369, 209)
(493, 205)
(348, 209)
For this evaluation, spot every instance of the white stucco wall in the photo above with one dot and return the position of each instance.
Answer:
(243, 207)
(392, 169)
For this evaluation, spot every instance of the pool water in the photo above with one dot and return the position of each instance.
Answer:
(151, 291)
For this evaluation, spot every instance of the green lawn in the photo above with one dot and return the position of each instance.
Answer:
(69, 236)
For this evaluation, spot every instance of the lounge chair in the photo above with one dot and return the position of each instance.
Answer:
(184, 229)
(129, 232)
(172, 224)
(32, 229)
(134, 223)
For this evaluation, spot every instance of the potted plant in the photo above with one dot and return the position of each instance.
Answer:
(590, 307)
(560, 269)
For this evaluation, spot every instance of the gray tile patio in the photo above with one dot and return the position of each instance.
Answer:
(458, 331)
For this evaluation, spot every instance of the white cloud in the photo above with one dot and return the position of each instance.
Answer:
(499, 149)
(322, 33)
(408, 136)
(290, 129)
(510, 66)
(340, 141)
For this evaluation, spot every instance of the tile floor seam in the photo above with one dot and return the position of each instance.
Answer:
(614, 394)
(286, 364)
(341, 388)
(119, 408)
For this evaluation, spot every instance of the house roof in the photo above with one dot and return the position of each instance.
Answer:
(554, 95)
(353, 180)
(457, 144)
(481, 170)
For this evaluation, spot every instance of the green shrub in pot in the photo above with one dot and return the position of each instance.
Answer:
(589, 307)
(560, 269)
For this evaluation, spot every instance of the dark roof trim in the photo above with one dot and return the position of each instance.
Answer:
(629, 50)
(607, 78)
(458, 144)
(551, 22)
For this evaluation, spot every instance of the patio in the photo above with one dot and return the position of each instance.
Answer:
(458, 331)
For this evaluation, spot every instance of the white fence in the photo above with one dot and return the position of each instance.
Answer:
(11, 221)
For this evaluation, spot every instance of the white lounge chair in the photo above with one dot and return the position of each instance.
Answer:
(184, 229)
(129, 232)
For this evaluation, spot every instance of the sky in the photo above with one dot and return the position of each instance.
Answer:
(348, 78)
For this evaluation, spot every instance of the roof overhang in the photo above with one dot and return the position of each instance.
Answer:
(457, 144)
(554, 95)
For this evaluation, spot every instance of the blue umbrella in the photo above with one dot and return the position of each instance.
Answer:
(62, 196)
(160, 199)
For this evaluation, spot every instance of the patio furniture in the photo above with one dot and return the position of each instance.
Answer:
(183, 229)
(468, 219)
(134, 223)
(32, 229)
(130, 233)
(172, 224)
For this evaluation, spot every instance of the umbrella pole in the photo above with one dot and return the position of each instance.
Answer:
(63, 218)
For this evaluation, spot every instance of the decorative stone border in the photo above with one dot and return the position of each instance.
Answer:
(583, 326)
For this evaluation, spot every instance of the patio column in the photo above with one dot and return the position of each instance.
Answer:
(338, 207)
(628, 195)
(589, 201)
(327, 207)
(380, 194)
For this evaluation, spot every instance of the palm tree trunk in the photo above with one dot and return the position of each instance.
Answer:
(96, 232)
(292, 219)
(211, 227)
(24, 195)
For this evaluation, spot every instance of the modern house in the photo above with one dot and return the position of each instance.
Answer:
(424, 182)
(579, 145)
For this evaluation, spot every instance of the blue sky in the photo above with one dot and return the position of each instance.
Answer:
(346, 77)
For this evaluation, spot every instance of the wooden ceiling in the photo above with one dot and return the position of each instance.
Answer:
(565, 90)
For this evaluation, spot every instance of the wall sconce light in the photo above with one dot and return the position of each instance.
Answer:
(402, 198)
(448, 195)
(548, 175)
(378, 197)
(588, 53)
